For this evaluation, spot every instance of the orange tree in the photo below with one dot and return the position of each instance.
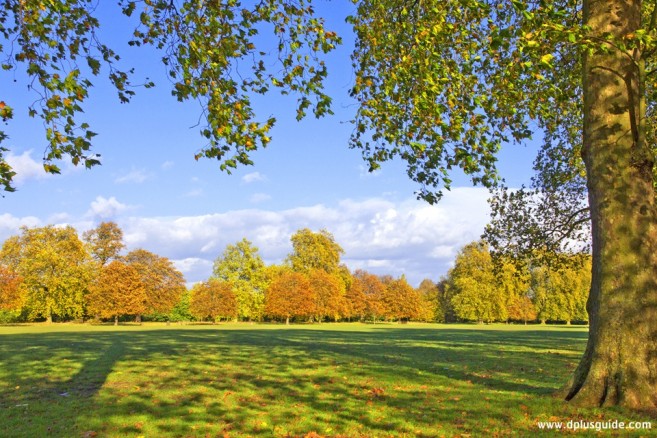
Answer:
(373, 289)
(10, 294)
(329, 292)
(356, 299)
(290, 295)
(117, 291)
(401, 301)
(213, 300)
(163, 282)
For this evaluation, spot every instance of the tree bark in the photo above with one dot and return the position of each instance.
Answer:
(116, 320)
(619, 366)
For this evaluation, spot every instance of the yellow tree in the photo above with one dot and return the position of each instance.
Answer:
(513, 280)
(163, 282)
(312, 250)
(56, 269)
(241, 266)
(117, 291)
(475, 295)
(105, 242)
(213, 299)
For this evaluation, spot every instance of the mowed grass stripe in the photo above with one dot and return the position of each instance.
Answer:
(269, 380)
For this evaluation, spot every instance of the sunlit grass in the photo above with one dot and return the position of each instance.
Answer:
(270, 380)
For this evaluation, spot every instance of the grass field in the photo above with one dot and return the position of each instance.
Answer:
(415, 380)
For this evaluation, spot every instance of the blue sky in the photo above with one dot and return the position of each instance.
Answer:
(168, 203)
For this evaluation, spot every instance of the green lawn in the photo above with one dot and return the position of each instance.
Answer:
(415, 380)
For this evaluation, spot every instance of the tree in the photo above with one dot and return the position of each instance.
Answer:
(56, 270)
(213, 299)
(560, 293)
(58, 45)
(329, 292)
(163, 282)
(373, 290)
(117, 291)
(513, 281)
(475, 293)
(401, 301)
(242, 267)
(356, 299)
(290, 296)
(312, 250)
(444, 86)
(433, 305)
(10, 290)
(105, 242)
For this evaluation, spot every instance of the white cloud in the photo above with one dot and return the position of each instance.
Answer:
(10, 225)
(383, 236)
(167, 165)
(103, 208)
(257, 198)
(26, 167)
(253, 177)
(134, 176)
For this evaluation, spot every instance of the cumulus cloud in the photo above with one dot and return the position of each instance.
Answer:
(253, 177)
(379, 235)
(10, 225)
(104, 208)
(134, 176)
(26, 167)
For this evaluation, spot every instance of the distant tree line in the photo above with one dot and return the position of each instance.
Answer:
(50, 273)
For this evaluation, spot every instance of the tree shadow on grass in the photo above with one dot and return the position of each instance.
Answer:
(273, 382)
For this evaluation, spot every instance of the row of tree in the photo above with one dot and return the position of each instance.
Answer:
(484, 289)
(50, 272)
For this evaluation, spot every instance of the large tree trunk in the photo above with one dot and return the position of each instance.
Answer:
(619, 366)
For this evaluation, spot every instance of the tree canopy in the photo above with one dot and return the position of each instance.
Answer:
(213, 54)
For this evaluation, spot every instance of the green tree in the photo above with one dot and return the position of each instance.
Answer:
(56, 270)
(312, 250)
(213, 299)
(105, 242)
(242, 267)
(475, 293)
(117, 291)
(163, 282)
